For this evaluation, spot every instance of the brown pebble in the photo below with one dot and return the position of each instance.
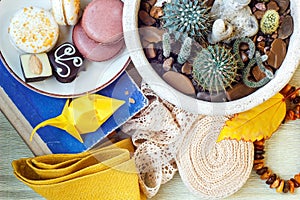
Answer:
(262, 171)
(145, 6)
(286, 187)
(280, 187)
(238, 91)
(260, 38)
(151, 2)
(187, 68)
(167, 65)
(272, 5)
(283, 5)
(244, 47)
(150, 51)
(151, 34)
(146, 18)
(286, 27)
(156, 12)
(261, 6)
(276, 183)
(274, 35)
(271, 179)
(277, 53)
(180, 82)
(292, 187)
(258, 74)
(259, 14)
(244, 56)
(261, 45)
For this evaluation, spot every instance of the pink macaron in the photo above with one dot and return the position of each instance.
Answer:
(102, 20)
(93, 50)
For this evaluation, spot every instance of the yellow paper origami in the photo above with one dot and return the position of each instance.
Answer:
(83, 115)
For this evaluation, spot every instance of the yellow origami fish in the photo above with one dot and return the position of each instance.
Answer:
(83, 115)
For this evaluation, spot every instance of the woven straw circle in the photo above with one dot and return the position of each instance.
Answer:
(210, 169)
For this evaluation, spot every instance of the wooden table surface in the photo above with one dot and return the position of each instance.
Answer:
(282, 155)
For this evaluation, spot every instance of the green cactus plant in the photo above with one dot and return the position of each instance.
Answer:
(166, 44)
(191, 18)
(215, 68)
(269, 22)
(185, 50)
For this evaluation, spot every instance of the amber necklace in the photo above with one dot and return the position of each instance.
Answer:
(265, 172)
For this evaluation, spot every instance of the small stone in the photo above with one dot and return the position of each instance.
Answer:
(283, 5)
(203, 96)
(244, 47)
(261, 6)
(218, 97)
(156, 12)
(244, 56)
(238, 91)
(258, 74)
(146, 18)
(151, 2)
(187, 68)
(274, 35)
(167, 65)
(259, 14)
(277, 53)
(145, 6)
(260, 38)
(180, 82)
(261, 46)
(150, 51)
(151, 34)
(272, 5)
(286, 27)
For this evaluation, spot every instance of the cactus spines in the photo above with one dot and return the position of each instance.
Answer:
(269, 22)
(185, 50)
(215, 68)
(166, 44)
(191, 18)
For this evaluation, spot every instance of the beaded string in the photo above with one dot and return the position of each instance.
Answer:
(272, 179)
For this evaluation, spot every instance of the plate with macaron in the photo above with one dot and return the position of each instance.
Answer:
(63, 48)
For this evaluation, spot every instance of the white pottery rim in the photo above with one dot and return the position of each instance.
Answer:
(165, 91)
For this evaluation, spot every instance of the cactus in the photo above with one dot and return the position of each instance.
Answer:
(215, 68)
(166, 44)
(269, 22)
(185, 50)
(191, 18)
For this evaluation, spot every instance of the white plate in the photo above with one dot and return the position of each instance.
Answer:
(96, 76)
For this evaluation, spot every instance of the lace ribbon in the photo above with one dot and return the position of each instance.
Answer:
(168, 138)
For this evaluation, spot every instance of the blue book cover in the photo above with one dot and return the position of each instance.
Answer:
(36, 108)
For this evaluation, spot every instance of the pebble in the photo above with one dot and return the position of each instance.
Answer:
(146, 18)
(244, 47)
(206, 96)
(283, 5)
(258, 74)
(150, 51)
(259, 14)
(180, 82)
(261, 6)
(261, 45)
(277, 53)
(260, 38)
(272, 5)
(244, 56)
(286, 28)
(238, 91)
(167, 65)
(187, 68)
(151, 2)
(156, 12)
(151, 34)
(145, 6)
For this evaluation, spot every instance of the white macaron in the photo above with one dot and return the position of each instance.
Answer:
(33, 30)
(66, 12)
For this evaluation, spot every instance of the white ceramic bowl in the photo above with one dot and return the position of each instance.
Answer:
(165, 91)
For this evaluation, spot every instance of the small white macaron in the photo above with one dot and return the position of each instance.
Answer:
(33, 30)
(66, 12)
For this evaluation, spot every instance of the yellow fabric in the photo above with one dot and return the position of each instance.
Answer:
(107, 173)
(83, 115)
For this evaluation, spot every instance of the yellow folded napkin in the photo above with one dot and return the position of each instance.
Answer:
(105, 173)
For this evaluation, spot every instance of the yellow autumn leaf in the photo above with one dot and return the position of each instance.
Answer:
(258, 123)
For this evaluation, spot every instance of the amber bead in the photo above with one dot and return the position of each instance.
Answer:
(259, 142)
(258, 157)
(296, 184)
(266, 175)
(262, 171)
(297, 178)
(271, 179)
(280, 187)
(292, 187)
(276, 183)
(259, 147)
(286, 90)
(259, 152)
(259, 161)
(258, 166)
(286, 187)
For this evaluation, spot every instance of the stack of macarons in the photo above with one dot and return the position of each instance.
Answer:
(99, 34)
